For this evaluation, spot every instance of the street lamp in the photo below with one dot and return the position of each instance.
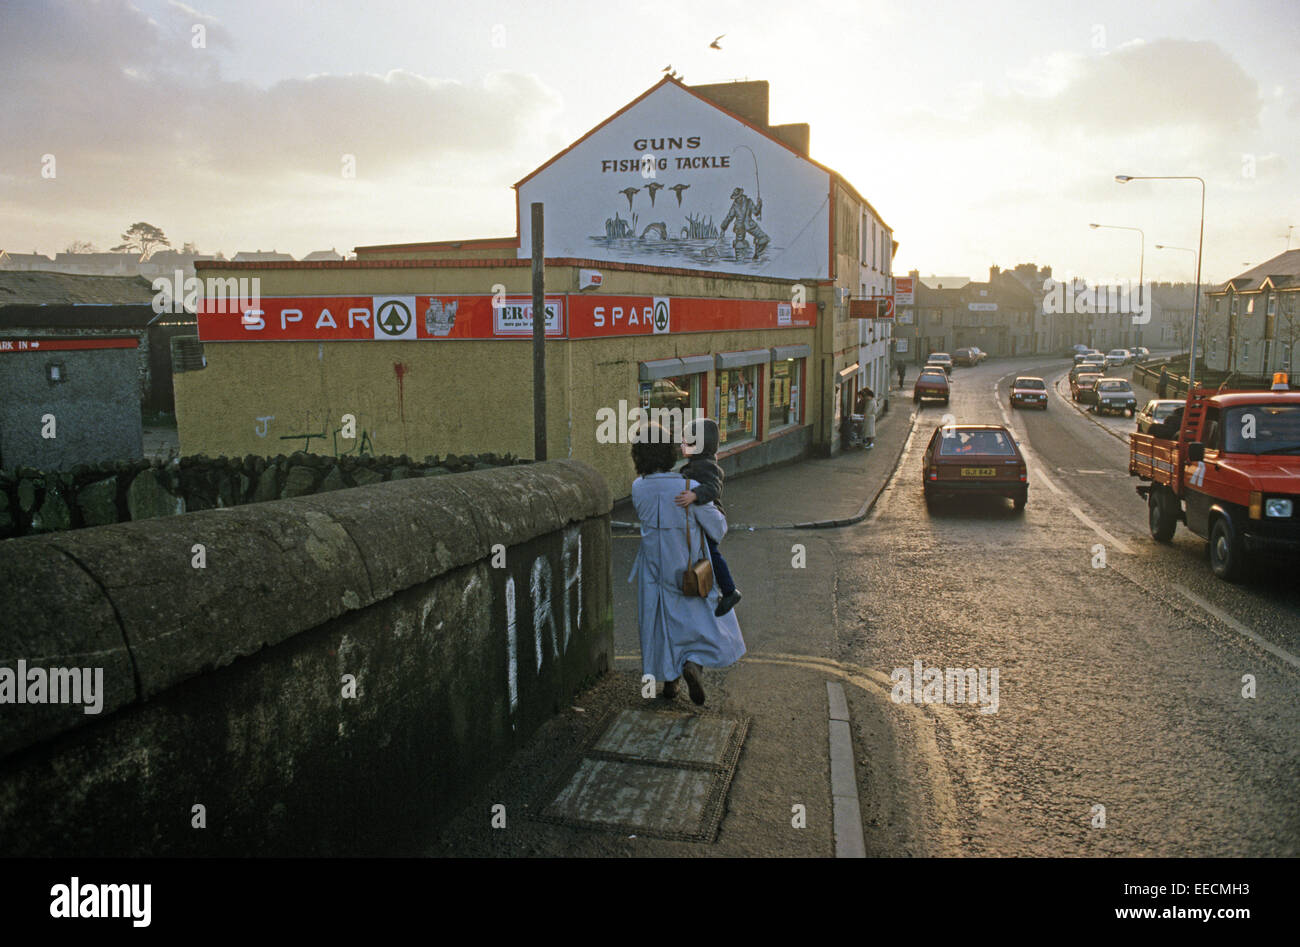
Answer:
(1200, 245)
(1142, 252)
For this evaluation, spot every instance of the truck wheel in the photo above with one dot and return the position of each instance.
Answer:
(1226, 554)
(1162, 514)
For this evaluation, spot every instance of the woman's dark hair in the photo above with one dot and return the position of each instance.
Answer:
(652, 450)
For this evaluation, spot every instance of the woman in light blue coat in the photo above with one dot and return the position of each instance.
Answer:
(679, 634)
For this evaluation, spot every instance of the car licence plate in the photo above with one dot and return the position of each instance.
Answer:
(978, 472)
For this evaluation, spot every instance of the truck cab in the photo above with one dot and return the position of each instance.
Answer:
(1232, 476)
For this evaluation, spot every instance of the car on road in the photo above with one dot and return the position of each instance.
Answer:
(1028, 390)
(1117, 358)
(969, 356)
(941, 358)
(931, 383)
(964, 459)
(1113, 395)
(1097, 361)
(1081, 386)
(1154, 411)
(1141, 352)
(1088, 355)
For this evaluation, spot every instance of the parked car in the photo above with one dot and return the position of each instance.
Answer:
(1113, 395)
(1116, 358)
(965, 459)
(1081, 387)
(1028, 390)
(941, 358)
(1154, 411)
(931, 383)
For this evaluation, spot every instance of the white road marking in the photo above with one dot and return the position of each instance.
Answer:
(1094, 471)
(1100, 532)
(1235, 625)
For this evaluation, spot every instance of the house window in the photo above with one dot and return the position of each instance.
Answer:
(1272, 305)
(1250, 305)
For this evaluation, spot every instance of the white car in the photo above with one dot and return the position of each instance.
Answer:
(1117, 357)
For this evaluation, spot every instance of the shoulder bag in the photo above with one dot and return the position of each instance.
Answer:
(697, 580)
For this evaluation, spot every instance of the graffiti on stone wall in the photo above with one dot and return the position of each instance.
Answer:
(541, 587)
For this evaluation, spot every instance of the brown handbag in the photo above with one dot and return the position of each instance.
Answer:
(697, 580)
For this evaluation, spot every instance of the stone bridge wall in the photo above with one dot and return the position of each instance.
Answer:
(330, 674)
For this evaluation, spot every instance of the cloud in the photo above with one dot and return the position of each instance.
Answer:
(136, 116)
(1138, 87)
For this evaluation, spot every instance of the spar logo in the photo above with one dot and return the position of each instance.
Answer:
(662, 320)
(394, 317)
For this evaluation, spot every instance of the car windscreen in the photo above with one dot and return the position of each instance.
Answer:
(934, 376)
(1263, 429)
(1029, 383)
(1086, 380)
(959, 442)
(1113, 386)
(1162, 411)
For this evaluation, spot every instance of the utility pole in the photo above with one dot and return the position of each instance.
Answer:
(539, 337)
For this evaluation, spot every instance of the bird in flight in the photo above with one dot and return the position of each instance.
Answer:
(628, 192)
(677, 189)
(651, 188)
(714, 44)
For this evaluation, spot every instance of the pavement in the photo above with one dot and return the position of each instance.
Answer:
(794, 790)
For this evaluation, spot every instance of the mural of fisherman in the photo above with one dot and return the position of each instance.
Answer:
(742, 218)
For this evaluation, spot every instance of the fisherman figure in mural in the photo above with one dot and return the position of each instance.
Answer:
(742, 215)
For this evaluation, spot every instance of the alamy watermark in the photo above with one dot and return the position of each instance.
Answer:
(57, 685)
(624, 425)
(922, 685)
(1122, 297)
(180, 293)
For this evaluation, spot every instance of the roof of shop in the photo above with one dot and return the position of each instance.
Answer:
(37, 287)
(765, 132)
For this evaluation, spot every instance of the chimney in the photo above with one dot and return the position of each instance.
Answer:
(795, 135)
(993, 272)
(746, 99)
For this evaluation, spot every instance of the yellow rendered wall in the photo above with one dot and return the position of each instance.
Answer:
(453, 396)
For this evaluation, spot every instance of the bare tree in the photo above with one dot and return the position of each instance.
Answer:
(79, 246)
(142, 237)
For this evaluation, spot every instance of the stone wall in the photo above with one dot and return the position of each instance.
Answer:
(332, 675)
(36, 501)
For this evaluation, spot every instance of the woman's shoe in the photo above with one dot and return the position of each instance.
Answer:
(670, 689)
(691, 674)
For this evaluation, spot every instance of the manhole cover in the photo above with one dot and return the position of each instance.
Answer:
(651, 773)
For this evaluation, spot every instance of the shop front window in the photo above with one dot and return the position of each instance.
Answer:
(784, 394)
(669, 400)
(737, 404)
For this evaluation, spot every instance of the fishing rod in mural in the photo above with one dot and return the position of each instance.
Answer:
(693, 232)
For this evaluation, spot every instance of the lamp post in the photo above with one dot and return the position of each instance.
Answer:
(1165, 246)
(1200, 245)
(1142, 252)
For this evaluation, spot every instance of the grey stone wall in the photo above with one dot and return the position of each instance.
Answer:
(39, 501)
(344, 671)
(96, 408)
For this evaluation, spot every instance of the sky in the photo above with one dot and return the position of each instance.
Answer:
(983, 134)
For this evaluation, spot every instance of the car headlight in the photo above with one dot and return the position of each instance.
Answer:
(1277, 507)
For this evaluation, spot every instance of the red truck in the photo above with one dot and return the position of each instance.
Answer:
(1232, 475)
